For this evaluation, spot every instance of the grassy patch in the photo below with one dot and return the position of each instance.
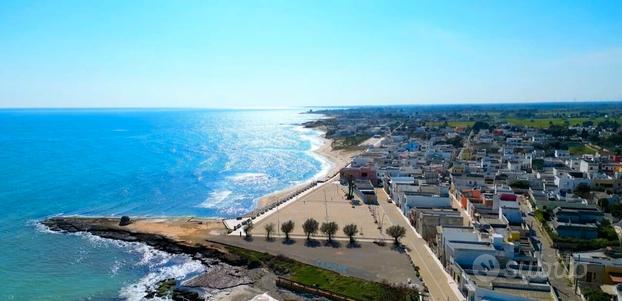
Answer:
(581, 150)
(324, 279)
(545, 122)
(349, 142)
(452, 124)
(331, 281)
(542, 123)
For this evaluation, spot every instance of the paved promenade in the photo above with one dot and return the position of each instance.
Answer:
(327, 202)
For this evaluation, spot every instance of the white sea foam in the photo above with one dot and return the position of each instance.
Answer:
(116, 266)
(233, 211)
(247, 175)
(250, 178)
(41, 227)
(161, 265)
(316, 141)
(137, 291)
(204, 167)
(216, 199)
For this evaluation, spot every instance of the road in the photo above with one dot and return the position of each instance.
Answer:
(548, 255)
(440, 285)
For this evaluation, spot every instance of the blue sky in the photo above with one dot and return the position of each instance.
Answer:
(292, 53)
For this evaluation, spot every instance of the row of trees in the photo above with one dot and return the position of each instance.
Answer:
(311, 227)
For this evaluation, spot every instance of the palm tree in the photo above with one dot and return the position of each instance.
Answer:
(397, 232)
(310, 226)
(269, 229)
(329, 228)
(350, 230)
(287, 227)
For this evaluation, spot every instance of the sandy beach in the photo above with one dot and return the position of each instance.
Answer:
(336, 158)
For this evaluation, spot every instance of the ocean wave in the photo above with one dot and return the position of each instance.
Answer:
(41, 228)
(216, 199)
(250, 178)
(233, 211)
(160, 265)
(116, 266)
(316, 141)
(221, 199)
(204, 167)
(180, 271)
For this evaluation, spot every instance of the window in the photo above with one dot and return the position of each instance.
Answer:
(364, 175)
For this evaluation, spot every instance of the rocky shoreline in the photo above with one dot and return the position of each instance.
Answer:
(229, 276)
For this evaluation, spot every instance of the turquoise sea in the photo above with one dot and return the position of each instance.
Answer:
(208, 163)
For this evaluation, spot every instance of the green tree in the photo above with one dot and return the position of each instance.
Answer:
(606, 231)
(310, 226)
(583, 190)
(269, 229)
(596, 295)
(616, 210)
(521, 184)
(329, 228)
(537, 164)
(350, 187)
(350, 230)
(287, 227)
(479, 125)
(603, 203)
(248, 229)
(397, 232)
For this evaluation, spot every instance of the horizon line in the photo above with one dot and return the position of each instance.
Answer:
(530, 102)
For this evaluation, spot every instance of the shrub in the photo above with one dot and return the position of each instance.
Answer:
(397, 232)
(310, 226)
(287, 227)
(125, 220)
(329, 228)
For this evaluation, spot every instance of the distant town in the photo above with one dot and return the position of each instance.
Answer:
(533, 189)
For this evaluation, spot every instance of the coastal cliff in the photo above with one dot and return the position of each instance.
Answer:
(110, 228)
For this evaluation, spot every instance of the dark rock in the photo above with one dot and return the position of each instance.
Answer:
(168, 288)
(125, 220)
(220, 276)
(108, 228)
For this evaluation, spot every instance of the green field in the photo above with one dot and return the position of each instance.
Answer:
(540, 122)
(451, 123)
(546, 122)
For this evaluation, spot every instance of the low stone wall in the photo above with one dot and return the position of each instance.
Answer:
(301, 288)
